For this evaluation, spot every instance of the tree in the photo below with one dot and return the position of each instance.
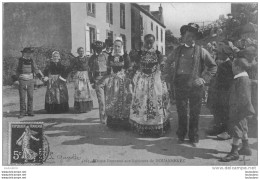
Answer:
(170, 39)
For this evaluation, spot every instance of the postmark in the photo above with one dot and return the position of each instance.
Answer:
(27, 143)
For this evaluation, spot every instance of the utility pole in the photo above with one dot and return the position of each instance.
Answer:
(202, 22)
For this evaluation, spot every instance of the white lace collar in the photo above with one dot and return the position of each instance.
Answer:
(120, 54)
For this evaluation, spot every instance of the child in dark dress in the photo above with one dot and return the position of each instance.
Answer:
(240, 109)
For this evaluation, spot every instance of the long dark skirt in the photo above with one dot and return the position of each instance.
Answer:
(83, 106)
(56, 98)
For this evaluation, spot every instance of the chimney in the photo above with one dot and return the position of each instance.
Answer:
(161, 14)
(160, 9)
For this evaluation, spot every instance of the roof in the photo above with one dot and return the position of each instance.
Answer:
(156, 14)
(145, 7)
(149, 14)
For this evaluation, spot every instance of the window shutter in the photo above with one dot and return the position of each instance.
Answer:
(94, 8)
(111, 13)
(89, 7)
(157, 33)
(94, 35)
(107, 13)
(124, 16)
(87, 41)
(98, 34)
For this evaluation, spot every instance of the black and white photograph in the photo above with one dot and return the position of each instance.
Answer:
(130, 84)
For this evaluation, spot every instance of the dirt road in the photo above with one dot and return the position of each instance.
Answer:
(79, 139)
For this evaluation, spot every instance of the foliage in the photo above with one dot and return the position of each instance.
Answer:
(169, 38)
(41, 56)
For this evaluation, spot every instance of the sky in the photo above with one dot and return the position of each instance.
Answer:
(178, 14)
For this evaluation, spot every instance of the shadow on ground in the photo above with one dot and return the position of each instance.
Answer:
(41, 111)
(94, 133)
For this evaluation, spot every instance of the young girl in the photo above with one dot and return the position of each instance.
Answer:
(148, 115)
(117, 88)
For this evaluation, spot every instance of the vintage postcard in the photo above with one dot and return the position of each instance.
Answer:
(130, 84)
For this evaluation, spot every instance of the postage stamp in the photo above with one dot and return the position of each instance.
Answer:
(27, 144)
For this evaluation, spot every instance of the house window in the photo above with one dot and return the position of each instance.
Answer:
(152, 26)
(156, 47)
(161, 35)
(122, 16)
(110, 35)
(141, 25)
(157, 33)
(91, 9)
(124, 41)
(92, 37)
(110, 13)
(162, 50)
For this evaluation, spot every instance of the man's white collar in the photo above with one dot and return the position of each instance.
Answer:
(241, 74)
(189, 46)
(227, 59)
(99, 54)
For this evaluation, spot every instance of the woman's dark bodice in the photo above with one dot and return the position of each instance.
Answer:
(81, 64)
(117, 63)
(148, 61)
(55, 69)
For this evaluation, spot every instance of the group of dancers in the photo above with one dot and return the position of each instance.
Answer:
(131, 93)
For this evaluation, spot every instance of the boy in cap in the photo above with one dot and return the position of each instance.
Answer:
(109, 46)
(24, 77)
(240, 109)
(194, 67)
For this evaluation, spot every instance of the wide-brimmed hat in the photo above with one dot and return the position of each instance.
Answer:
(192, 27)
(98, 45)
(27, 50)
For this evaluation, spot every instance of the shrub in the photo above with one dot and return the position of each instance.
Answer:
(41, 56)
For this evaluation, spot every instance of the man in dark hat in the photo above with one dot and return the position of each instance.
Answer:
(109, 45)
(24, 77)
(194, 67)
(98, 64)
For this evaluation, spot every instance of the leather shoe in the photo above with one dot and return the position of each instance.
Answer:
(224, 136)
(230, 157)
